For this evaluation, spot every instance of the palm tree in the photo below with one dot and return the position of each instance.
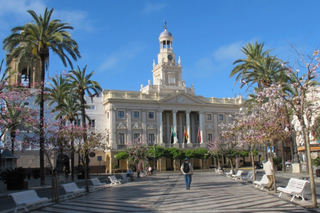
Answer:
(255, 56)
(81, 85)
(69, 109)
(34, 40)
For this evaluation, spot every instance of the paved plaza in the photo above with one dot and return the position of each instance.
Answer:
(166, 192)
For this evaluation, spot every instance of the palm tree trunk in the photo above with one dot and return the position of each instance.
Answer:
(83, 117)
(41, 133)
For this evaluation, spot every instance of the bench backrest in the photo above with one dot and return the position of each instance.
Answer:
(113, 178)
(95, 181)
(70, 187)
(300, 185)
(264, 178)
(230, 172)
(239, 172)
(249, 175)
(20, 197)
(292, 183)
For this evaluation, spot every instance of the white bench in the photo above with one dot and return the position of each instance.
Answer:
(27, 198)
(125, 178)
(219, 171)
(238, 175)
(228, 174)
(249, 177)
(263, 182)
(97, 184)
(72, 189)
(295, 187)
(114, 180)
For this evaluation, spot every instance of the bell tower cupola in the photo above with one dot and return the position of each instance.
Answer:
(166, 54)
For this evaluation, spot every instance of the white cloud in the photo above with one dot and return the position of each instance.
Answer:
(78, 19)
(19, 7)
(229, 52)
(151, 8)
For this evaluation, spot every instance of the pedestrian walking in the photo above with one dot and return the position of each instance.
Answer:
(186, 169)
(268, 169)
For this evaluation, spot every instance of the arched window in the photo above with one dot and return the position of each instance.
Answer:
(25, 78)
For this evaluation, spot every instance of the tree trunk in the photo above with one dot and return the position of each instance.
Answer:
(41, 133)
(252, 163)
(312, 184)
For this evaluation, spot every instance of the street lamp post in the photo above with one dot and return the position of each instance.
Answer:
(154, 158)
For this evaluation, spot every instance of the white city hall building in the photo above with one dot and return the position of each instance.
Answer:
(163, 106)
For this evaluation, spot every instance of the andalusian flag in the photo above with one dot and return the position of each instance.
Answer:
(173, 132)
(185, 134)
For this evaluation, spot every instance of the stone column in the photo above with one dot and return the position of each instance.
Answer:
(160, 127)
(181, 133)
(201, 126)
(168, 129)
(174, 118)
(113, 130)
(188, 126)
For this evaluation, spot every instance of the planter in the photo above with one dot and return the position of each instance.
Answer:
(15, 185)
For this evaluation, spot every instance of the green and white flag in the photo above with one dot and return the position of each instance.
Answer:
(173, 132)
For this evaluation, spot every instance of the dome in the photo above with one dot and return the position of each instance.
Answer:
(165, 33)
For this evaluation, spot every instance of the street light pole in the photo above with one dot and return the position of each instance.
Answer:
(154, 158)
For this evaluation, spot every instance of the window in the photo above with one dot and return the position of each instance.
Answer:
(209, 137)
(151, 115)
(209, 117)
(120, 114)
(136, 114)
(220, 117)
(151, 138)
(172, 80)
(121, 138)
(92, 123)
(64, 122)
(232, 117)
(91, 106)
(135, 136)
(77, 122)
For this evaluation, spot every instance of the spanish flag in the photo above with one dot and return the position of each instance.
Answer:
(185, 134)
(199, 135)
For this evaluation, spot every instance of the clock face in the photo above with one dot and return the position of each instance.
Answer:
(170, 57)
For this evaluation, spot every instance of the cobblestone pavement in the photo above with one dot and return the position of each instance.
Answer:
(166, 192)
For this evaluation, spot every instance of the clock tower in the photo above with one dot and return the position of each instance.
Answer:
(167, 73)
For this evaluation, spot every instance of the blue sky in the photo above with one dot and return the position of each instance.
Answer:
(119, 39)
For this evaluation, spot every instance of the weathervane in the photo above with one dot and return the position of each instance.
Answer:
(165, 25)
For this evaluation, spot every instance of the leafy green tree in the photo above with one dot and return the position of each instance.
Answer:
(34, 40)
(122, 155)
(201, 153)
(189, 153)
(82, 84)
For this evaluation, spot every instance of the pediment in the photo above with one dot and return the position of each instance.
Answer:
(121, 126)
(181, 98)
